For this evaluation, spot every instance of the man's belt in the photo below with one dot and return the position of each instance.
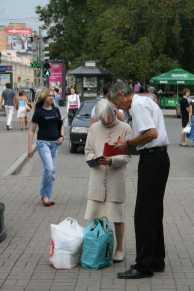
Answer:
(153, 150)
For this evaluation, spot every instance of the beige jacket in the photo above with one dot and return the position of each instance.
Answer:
(107, 183)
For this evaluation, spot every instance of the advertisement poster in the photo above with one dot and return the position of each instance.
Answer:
(56, 77)
(4, 79)
(19, 39)
(90, 82)
(5, 76)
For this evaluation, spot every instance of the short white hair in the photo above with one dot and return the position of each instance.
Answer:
(104, 109)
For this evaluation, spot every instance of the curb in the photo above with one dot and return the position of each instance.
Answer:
(16, 167)
(3, 235)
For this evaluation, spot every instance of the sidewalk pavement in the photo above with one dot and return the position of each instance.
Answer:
(12, 145)
(24, 254)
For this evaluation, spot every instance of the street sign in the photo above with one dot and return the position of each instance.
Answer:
(5, 69)
(46, 70)
(35, 65)
(47, 74)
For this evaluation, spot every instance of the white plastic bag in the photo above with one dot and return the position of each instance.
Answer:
(187, 129)
(65, 244)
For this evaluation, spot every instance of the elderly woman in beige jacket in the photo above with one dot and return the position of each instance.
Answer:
(106, 195)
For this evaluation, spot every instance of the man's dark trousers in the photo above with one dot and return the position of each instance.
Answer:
(153, 174)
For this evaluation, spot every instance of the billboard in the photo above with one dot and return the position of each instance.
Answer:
(56, 75)
(19, 31)
(19, 39)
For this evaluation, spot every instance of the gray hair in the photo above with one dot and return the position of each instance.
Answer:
(119, 88)
(151, 90)
(104, 109)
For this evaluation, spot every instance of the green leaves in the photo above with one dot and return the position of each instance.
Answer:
(132, 38)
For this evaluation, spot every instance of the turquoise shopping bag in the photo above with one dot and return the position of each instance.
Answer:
(98, 245)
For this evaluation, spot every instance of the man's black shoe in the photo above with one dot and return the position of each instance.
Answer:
(158, 269)
(134, 274)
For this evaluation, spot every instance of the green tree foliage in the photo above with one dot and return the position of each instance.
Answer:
(132, 38)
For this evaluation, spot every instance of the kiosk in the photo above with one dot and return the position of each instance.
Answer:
(89, 79)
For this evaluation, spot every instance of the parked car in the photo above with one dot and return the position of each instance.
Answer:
(80, 125)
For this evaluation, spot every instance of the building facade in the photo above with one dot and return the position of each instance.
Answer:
(16, 51)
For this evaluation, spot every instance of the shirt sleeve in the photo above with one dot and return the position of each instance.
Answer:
(187, 104)
(78, 101)
(35, 117)
(68, 103)
(142, 118)
(89, 148)
(59, 113)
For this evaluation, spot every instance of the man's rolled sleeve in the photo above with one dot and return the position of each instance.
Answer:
(142, 118)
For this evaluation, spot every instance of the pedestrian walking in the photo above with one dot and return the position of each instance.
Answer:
(186, 114)
(57, 96)
(50, 136)
(73, 104)
(106, 195)
(137, 87)
(151, 139)
(22, 108)
(8, 98)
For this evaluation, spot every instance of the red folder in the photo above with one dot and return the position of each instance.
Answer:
(111, 150)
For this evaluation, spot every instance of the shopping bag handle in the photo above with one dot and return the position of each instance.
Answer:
(106, 224)
(71, 221)
(103, 224)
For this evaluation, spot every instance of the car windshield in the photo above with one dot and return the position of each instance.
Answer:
(86, 109)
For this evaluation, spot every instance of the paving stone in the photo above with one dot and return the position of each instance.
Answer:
(39, 284)
(24, 255)
(15, 288)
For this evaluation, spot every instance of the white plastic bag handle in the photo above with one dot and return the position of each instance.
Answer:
(72, 223)
(71, 220)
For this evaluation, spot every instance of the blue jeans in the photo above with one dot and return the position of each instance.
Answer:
(47, 152)
(191, 134)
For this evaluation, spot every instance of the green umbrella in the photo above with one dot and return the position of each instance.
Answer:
(174, 77)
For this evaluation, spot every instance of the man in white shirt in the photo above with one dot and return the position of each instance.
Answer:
(151, 139)
(9, 99)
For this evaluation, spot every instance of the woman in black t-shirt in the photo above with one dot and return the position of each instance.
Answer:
(47, 119)
(186, 113)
